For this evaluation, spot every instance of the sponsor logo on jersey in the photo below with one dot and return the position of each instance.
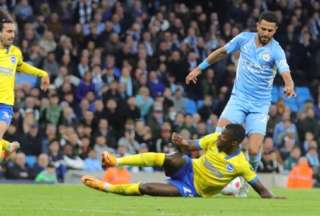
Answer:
(230, 168)
(13, 59)
(6, 71)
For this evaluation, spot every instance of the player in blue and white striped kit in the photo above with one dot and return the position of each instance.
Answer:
(260, 57)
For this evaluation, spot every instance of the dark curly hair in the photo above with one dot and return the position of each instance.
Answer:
(5, 18)
(269, 16)
(238, 132)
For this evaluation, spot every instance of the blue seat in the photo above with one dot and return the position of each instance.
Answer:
(303, 95)
(200, 104)
(190, 107)
(292, 103)
(31, 160)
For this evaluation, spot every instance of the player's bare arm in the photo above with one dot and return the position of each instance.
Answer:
(215, 56)
(288, 84)
(183, 144)
(263, 191)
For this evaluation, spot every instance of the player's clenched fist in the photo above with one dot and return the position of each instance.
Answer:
(179, 141)
(289, 90)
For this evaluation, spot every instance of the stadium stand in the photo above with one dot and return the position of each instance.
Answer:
(118, 69)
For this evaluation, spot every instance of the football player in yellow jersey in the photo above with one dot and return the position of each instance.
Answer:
(220, 162)
(11, 61)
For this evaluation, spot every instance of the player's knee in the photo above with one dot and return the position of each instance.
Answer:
(254, 149)
(172, 163)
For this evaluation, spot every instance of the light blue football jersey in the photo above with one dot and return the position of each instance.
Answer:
(257, 67)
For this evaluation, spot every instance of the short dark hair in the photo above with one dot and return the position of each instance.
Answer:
(238, 132)
(5, 18)
(269, 16)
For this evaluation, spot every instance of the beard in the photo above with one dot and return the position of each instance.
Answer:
(6, 43)
(263, 39)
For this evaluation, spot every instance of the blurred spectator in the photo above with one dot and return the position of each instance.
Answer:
(23, 11)
(292, 159)
(132, 111)
(155, 84)
(206, 110)
(156, 119)
(128, 140)
(85, 86)
(17, 169)
(283, 128)
(47, 176)
(56, 158)
(51, 65)
(42, 164)
(53, 113)
(269, 163)
(274, 118)
(144, 101)
(31, 141)
(101, 146)
(179, 100)
(72, 160)
(163, 143)
(92, 163)
(48, 44)
(313, 157)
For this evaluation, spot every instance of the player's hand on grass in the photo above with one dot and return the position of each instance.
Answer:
(180, 142)
(289, 90)
(192, 76)
(45, 82)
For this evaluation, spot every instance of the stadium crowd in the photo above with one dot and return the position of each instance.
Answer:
(118, 68)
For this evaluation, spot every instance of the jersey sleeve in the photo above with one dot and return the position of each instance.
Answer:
(208, 140)
(281, 61)
(248, 173)
(235, 44)
(27, 68)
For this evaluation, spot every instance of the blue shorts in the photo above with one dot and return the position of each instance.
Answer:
(183, 179)
(6, 113)
(253, 115)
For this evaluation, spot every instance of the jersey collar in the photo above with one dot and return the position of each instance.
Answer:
(233, 154)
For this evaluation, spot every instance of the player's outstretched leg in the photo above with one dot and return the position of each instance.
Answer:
(153, 189)
(143, 159)
(170, 162)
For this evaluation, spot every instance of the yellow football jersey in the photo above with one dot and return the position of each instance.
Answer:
(214, 169)
(11, 60)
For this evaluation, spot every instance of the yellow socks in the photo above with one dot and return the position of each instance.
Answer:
(123, 189)
(144, 159)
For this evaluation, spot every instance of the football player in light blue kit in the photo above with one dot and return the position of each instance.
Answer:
(261, 57)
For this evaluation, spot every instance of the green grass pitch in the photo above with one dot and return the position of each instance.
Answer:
(77, 200)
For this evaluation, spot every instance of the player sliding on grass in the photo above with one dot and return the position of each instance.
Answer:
(11, 60)
(221, 162)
